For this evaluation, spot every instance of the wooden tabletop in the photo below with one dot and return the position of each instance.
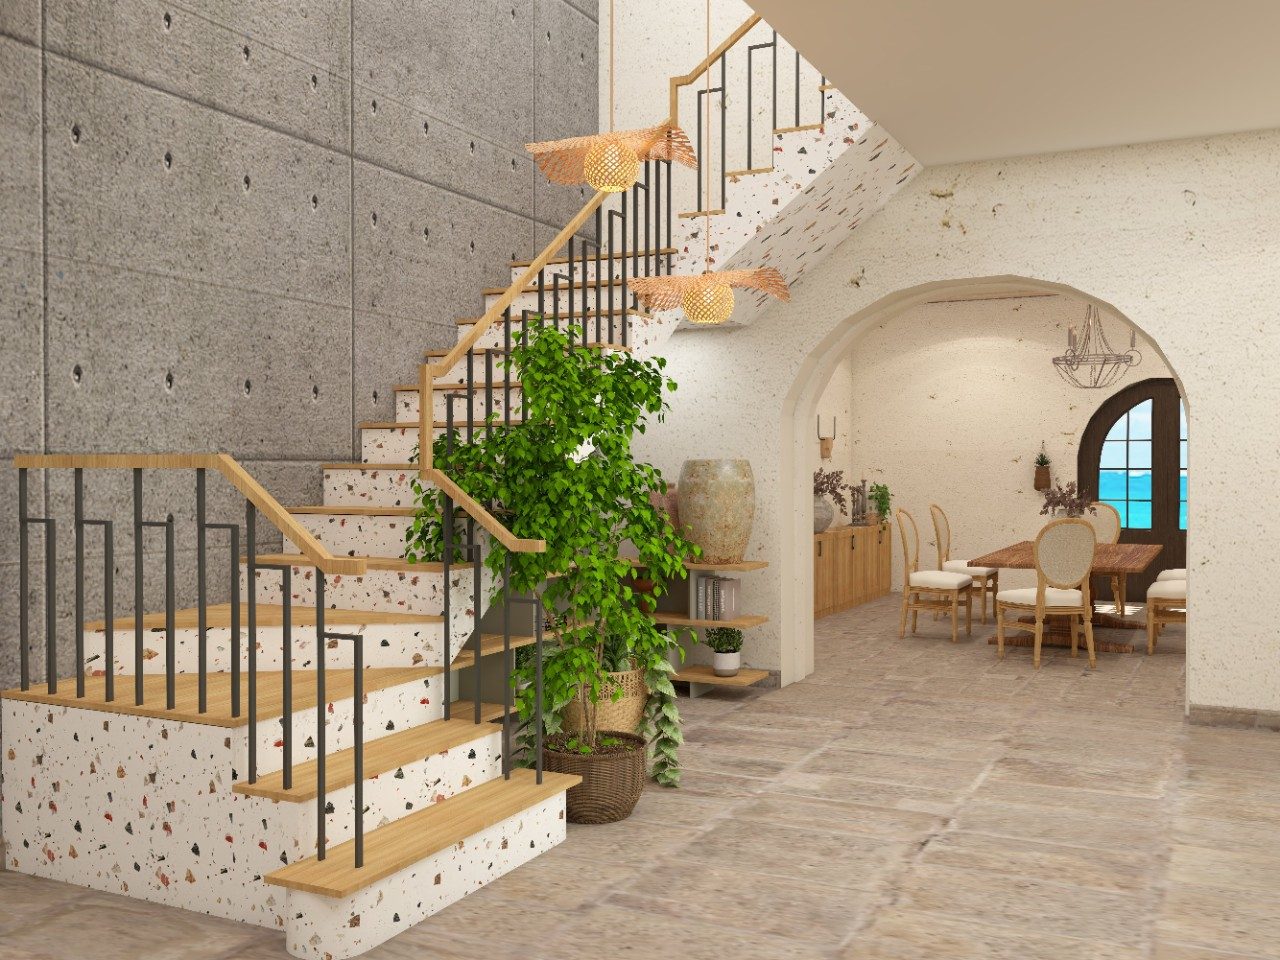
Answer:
(1110, 558)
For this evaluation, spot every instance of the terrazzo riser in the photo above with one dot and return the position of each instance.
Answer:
(368, 488)
(376, 536)
(322, 928)
(144, 807)
(391, 445)
(407, 402)
(385, 644)
(392, 591)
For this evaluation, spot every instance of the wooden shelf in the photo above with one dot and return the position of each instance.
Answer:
(743, 566)
(682, 620)
(745, 677)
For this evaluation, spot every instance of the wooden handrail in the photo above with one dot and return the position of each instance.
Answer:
(705, 65)
(484, 517)
(226, 465)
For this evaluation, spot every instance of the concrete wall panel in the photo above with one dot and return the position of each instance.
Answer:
(287, 70)
(20, 19)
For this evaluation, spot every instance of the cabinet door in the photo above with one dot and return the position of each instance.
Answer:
(884, 566)
(842, 563)
(822, 599)
(868, 563)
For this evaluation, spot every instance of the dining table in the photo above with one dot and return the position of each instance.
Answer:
(1114, 560)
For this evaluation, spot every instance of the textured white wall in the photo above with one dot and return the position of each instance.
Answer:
(1182, 238)
(950, 403)
(837, 402)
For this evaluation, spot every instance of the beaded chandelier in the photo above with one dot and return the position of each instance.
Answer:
(1090, 361)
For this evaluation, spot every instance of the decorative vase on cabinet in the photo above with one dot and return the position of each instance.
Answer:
(717, 502)
(823, 513)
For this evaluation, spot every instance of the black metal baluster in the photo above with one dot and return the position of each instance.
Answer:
(488, 394)
(724, 133)
(321, 714)
(476, 608)
(657, 215)
(286, 667)
(701, 154)
(234, 551)
(670, 256)
(139, 607)
(447, 522)
(822, 98)
(537, 687)
(586, 283)
(170, 612)
(774, 99)
(251, 551)
(506, 370)
(626, 306)
(555, 303)
(648, 241)
(358, 723)
(51, 602)
(507, 665)
(79, 534)
(797, 88)
(24, 577)
(108, 604)
(202, 597)
(470, 395)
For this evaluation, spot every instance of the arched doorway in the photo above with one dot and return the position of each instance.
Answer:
(1133, 455)
(800, 406)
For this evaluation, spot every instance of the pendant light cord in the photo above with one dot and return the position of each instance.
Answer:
(706, 230)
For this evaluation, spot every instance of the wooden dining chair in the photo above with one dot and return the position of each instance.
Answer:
(986, 580)
(1105, 521)
(1166, 603)
(1063, 558)
(930, 590)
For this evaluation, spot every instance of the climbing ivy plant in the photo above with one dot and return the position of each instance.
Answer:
(566, 475)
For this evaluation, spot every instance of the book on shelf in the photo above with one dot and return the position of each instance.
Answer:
(715, 598)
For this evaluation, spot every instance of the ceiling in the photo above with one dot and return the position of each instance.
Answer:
(982, 79)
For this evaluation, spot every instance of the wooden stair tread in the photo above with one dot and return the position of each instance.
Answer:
(592, 345)
(440, 385)
(694, 673)
(218, 615)
(338, 686)
(659, 251)
(701, 213)
(571, 315)
(397, 564)
(682, 620)
(409, 840)
(437, 424)
(742, 566)
(347, 510)
(490, 644)
(372, 467)
(577, 284)
(749, 173)
(381, 755)
(800, 129)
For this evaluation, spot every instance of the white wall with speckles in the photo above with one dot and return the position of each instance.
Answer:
(1182, 238)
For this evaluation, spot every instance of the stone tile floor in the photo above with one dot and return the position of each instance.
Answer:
(912, 799)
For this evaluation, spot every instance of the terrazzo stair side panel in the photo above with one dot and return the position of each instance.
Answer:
(144, 808)
(372, 487)
(825, 182)
(385, 645)
(325, 928)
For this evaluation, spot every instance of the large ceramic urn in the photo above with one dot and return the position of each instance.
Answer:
(717, 500)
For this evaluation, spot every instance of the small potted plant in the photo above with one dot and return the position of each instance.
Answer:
(1043, 482)
(828, 483)
(726, 644)
(880, 497)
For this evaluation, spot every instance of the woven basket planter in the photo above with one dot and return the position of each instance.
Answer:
(621, 714)
(611, 782)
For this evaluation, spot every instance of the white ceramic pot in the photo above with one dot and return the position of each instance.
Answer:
(727, 664)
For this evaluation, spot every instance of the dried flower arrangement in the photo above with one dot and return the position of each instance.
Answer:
(1068, 500)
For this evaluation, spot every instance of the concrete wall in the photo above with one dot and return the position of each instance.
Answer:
(234, 227)
(1180, 238)
(950, 404)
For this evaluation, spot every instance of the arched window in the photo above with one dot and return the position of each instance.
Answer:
(1133, 455)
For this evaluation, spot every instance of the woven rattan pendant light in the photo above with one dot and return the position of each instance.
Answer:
(707, 298)
(610, 162)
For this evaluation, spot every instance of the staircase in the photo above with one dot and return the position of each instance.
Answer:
(331, 753)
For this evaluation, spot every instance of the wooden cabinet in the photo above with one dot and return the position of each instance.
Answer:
(850, 566)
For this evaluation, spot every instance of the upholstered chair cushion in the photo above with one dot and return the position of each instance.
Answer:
(1053, 597)
(959, 566)
(1178, 574)
(1167, 590)
(940, 580)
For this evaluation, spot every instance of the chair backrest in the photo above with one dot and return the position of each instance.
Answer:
(1064, 553)
(1106, 522)
(941, 533)
(910, 545)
